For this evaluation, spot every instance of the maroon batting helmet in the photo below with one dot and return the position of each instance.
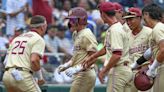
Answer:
(141, 81)
(78, 13)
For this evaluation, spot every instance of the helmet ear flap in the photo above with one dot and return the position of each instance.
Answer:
(82, 21)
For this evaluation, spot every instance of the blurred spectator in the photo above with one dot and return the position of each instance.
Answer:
(2, 26)
(61, 15)
(91, 23)
(139, 3)
(15, 15)
(66, 8)
(17, 32)
(3, 6)
(128, 3)
(162, 20)
(64, 42)
(3, 42)
(160, 3)
(52, 44)
(42, 7)
(147, 2)
(84, 4)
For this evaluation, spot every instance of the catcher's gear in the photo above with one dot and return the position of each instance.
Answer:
(143, 82)
(77, 15)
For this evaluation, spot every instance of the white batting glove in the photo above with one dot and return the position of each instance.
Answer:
(151, 73)
(134, 66)
(39, 74)
(73, 70)
(63, 67)
(40, 80)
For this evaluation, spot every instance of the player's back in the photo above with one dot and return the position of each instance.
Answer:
(21, 48)
(117, 40)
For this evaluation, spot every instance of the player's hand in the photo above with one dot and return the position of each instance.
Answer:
(73, 70)
(63, 67)
(102, 74)
(41, 82)
(151, 73)
(88, 62)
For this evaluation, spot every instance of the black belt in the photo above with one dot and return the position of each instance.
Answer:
(88, 69)
(19, 68)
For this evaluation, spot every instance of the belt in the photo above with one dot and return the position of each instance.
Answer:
(124, 64)
(88, 69)
(19, 68)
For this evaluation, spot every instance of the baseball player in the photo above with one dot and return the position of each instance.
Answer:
(152, 15)
(84, 45)
(119, 13)
(23, 58)
(138, 37)
(116, 46)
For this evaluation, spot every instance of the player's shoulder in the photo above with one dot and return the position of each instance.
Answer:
(88, 34)
(33, 36)
(147, 30)
(37, 37)
(126, 28)
(117, 27)
(85, 32)
(159, 26)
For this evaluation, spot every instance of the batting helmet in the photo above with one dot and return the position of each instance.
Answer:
(141, 81)
(78, 13)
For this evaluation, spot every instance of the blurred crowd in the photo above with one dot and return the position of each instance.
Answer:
(16, 14)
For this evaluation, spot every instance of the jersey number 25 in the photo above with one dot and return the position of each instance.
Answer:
(19, 47)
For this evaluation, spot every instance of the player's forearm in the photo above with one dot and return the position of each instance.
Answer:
(35, 62)
(113, 61)
(70, 62)
(35, 65)
(160, 55)
(145, 57)
(19, 11)
(99, 53)
(16, 13)
(63, 50)
(39, 74)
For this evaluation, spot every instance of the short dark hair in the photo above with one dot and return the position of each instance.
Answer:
(37, 20)
(155, 12)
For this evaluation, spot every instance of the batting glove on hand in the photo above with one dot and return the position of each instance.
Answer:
(63, 67)
(72, 70)
(151, 73)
